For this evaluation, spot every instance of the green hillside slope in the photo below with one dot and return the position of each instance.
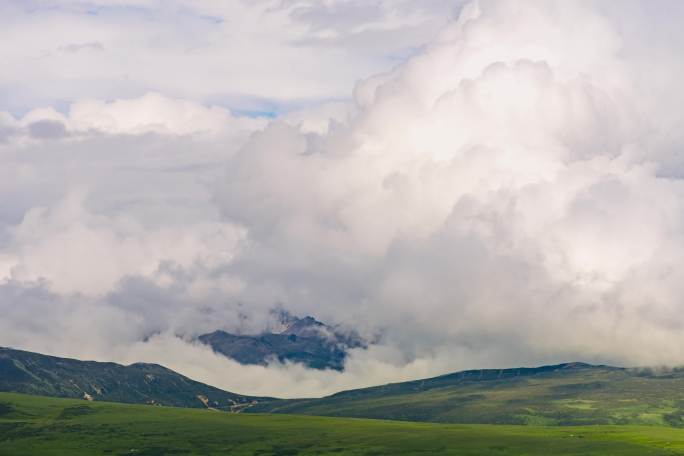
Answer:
(566, 394)
(141, 383)
(31, 425)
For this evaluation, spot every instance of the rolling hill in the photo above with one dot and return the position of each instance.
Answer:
(564, 394)
(571, 394)
(140, 383)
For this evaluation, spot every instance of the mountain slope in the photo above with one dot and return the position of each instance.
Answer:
(565, 394)
(299, 340)
(140, 383)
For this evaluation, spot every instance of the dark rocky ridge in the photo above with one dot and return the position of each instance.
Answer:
(298, 340)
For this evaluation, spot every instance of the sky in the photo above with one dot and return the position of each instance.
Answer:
(467, 184)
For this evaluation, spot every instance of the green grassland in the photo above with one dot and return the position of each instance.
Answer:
(33, 425)
(568, 395)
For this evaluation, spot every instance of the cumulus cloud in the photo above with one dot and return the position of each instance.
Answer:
(500, 192)
(80, 252)
(150, 113)
(510, 195)
(114, 189)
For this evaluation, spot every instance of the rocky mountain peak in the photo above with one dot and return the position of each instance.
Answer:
(288, 338)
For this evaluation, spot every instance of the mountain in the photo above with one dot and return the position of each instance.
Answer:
(298, 340)
(564, 394)
(140, 383)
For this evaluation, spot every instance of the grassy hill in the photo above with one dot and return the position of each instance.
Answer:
(566, 394)
(31, 425)
(141, 383)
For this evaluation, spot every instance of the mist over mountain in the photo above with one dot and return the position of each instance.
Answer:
(289, 339)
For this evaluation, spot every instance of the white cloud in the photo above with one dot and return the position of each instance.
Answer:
(507, 176)
(150, 113)
(114, 189)
(251, 55)
(79, 252)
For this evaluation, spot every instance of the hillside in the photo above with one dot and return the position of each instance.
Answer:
(31, 425)
(140, 383)
(565, 394)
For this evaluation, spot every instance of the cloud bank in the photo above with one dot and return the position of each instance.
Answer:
(510, 195)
